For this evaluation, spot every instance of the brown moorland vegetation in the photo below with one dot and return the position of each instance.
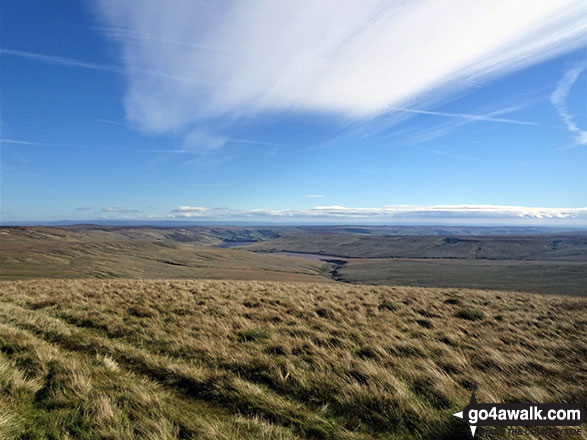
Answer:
(42, 252)
(554, 277)
(548, 263)
(160, 359)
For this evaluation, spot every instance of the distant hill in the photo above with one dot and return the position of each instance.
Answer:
(569, 247)
(131, 252)
(547, 263)
(319, 228)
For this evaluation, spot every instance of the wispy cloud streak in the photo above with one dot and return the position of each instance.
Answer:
(111, 147)
(559, 101)
(70, 62)
(90, 147)
(465, 116)
(353, 59)
(122, 33)
(120, 210)
(52, 59)
(429, 133)
(110, 122)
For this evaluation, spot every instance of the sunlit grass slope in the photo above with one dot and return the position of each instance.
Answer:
(32, 253)
(122, 359)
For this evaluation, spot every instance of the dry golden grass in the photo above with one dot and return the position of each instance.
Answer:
(181, 359)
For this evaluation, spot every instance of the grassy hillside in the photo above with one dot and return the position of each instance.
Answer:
(139, 253)
(121, 359)
(555, 277)
(555, 263)
(527, 247)
(547, 263)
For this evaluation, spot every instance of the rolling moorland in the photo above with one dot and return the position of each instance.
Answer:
(547, 263)
(106, 332)
(90, 252)
(521, 259)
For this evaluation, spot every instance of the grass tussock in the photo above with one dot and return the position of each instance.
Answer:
(471, 315)
(122, 359)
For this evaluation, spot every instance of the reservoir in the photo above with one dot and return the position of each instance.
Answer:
(229, 244)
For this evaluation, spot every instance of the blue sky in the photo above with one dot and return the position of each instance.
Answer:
(296, 111)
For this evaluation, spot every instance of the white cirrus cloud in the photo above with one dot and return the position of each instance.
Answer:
(190, 211)
(120, 210)
(202, 141)
(559, 101)
(353, 58)
(70, 62)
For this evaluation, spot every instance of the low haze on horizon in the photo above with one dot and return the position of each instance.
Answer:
(374, 112)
